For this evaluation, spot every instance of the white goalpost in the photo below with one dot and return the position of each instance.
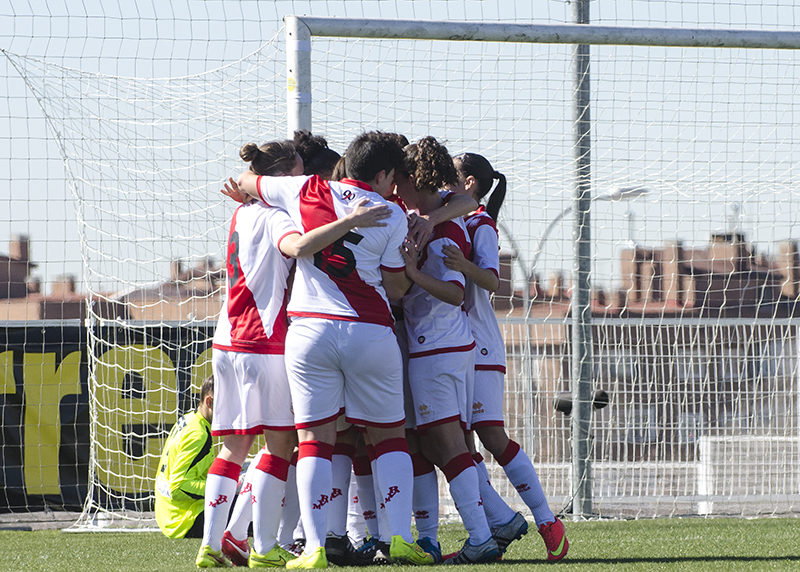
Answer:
(687, 288)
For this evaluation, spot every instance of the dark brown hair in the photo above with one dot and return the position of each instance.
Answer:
(270, 158)
(431, 165)
(318, 158)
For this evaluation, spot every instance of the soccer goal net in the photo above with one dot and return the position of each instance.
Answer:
(695, 276)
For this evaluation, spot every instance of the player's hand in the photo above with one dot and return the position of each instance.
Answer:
(411, 255)
(454, 258)
(364, 216)
(232, 191)
(420, 230)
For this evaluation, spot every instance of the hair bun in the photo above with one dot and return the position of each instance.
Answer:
(249, 152)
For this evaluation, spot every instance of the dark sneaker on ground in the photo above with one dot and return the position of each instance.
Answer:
(432, 548)
(486, 552)
(341, 551)
(513, 530)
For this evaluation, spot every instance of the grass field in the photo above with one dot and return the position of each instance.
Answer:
(676, 544)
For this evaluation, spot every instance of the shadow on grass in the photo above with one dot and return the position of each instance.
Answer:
(666, 560)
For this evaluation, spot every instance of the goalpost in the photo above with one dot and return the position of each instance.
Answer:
(703, 417)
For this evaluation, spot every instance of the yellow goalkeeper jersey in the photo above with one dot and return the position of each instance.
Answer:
(182, 472)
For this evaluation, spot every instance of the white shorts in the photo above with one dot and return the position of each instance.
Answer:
(442, 388)
(408, 399)
(487, 398)
(334, 364)
(251, 394)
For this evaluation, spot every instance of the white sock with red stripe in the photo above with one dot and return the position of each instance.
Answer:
(426, 497)
(223, 476)
(396, 479)
(342, 466)
(462, 476)
(314, 477)
(366, 494)
(290, 516)
(384, 529)
(355, 521)
(242, 514)
(497, 511)
(269, 482)
(520, 472)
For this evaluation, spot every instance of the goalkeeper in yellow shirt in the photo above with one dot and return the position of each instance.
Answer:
(182, 471)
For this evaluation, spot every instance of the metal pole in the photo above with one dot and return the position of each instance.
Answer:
(298, 70)
(582, 259)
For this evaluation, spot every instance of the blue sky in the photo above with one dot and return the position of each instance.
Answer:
(711, 132)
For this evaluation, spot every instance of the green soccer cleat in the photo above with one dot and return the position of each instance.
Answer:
(208, 558)
(275, 558)
(314, 559)
(409, 552)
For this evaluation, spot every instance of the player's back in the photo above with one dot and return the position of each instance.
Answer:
(253, 316)
(344, 280)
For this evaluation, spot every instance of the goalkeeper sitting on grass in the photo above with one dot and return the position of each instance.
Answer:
(182, 471)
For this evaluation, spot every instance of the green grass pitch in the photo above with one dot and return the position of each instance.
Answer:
(670, 544)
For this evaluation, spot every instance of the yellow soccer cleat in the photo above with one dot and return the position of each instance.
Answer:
(314, 559)
(409, 552)
(275, 558)
(208, 558)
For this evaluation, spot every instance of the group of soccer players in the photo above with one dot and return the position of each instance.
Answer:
(330, 272)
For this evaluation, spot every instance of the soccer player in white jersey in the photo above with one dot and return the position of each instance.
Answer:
(341, 352)
(476, 178)
(440, 345)
(251, 389)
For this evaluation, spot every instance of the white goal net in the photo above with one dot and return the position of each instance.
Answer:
(695, 282)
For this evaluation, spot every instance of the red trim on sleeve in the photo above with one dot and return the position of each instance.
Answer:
(225, 468)
(275, 466)
(354, 183)
(258, 190)
(457, 283)
(387, 269)
(281, 240)
(508, 455)
(315, 449)
(457, 465)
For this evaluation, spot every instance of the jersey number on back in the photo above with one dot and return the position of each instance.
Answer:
(340, 261)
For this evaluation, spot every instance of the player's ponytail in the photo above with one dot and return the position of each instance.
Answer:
(273, 158)
(318, 158)
(484, 174)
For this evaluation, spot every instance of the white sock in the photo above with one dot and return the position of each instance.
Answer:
(314, 476)
(269, 482)
(396, 478)
(463, 478)
(356, 528)
(497, 511)
(520, 472)
(290, 516)
(426, 498)
(242, 514)
(342, 467)
(366, 495)
(223, 476)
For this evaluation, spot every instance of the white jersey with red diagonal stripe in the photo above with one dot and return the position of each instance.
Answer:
(434, 326)
(485, 253)
(253, 318)
(343, 281)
